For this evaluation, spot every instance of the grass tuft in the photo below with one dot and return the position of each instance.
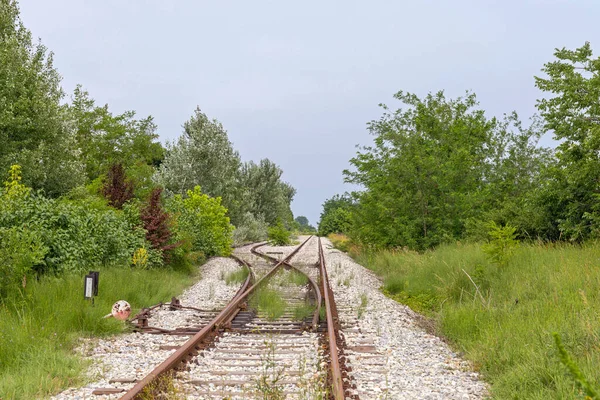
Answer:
(236, 277)
(269, 302)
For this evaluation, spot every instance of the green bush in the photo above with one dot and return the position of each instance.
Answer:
(20, 251)
(502, 243)
(74, 233)
(278, 235)
(203, 221)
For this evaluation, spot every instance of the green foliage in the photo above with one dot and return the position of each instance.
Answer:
(340, 242)
(265, 194)
(250, 230)
(73, 234)
(502, 243)
(40, 327)
(204, 156)
(20, 251)
(269, 302)
(237, 277)
(336, 215)
(278, 235)
(303, 226)
(434, 165)
(204, 221)
(572, 112)
(504, 324)
(105, 139)
(302, 312)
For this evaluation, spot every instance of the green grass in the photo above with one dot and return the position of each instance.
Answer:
(39, 329)
(504, 320)
(269, 302)
(290, 277)
(304, 311)
(236, 277)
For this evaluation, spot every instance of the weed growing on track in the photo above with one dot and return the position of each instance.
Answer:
(39, 328)
(162, 388)
(302, 312)
(313, 385)
(290, 278)
(363, 305)
(503, 321)
(269, 302)
(236, 277)
(268, 384)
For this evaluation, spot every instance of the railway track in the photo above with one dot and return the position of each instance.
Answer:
(276, 339)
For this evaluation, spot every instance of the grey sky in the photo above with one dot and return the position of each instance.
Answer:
(297, 81)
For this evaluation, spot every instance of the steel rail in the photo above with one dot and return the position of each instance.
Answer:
(190, 348)
(332, 330)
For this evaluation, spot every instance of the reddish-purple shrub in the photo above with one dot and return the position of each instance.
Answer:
(117, 189)
(156, 224)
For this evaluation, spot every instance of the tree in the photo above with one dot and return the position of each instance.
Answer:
(202, 156)
(105, 139)
(573, 115)
(33, 131)
(439, 167)
(303, 225)
(336, 215)
(266, 195)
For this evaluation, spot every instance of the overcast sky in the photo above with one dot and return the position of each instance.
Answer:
(297, 81)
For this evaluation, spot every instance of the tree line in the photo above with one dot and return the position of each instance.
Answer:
(84, 186)
(440, 169)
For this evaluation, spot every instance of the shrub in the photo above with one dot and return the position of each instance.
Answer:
(203, 221)
(117, 188)
(20, 250)
(74, 234)
(341, 242)
(156, 223)
(502, 243)
(278, 235)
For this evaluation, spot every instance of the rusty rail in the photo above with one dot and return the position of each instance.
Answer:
(332, 330)
(190, 348)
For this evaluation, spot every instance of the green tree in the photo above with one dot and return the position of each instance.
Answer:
(33, 131)
(265, 194)
(105, 139)
(438, 167)
(203, 156)
(336, 216)
(572, 112)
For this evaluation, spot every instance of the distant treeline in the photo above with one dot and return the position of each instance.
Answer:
(440, 170)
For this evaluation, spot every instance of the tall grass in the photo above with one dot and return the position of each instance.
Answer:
(236, 277)
(268, 301)
(503, 318)
(39, 328)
